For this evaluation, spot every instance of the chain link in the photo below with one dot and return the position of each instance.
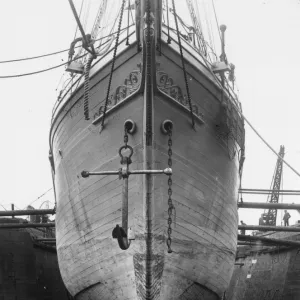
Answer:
(170, 203)
(125, 136)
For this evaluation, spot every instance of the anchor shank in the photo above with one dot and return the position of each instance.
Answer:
(125, 205)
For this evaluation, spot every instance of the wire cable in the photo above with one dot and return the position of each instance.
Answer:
(34, 57)
(3, 206)
(39, 197)
(40, 71)
(57, 52)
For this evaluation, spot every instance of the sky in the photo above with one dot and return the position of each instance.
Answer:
(262, 40)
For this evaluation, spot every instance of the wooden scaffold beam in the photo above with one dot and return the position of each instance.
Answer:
(282, 242)
(268, 205)
(27, 212)
(25, 225)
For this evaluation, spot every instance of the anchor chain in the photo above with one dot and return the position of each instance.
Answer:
(170, 203)
(125, 137)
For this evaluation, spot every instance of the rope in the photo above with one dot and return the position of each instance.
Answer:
(87, 87)
(183, 67)
(243, 116)
(57, 52)
(267, 144)
(113, 64)
(3, 206)
(40, 197)
(40, 71)
(34, 57)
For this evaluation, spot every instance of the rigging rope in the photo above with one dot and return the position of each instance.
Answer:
(39, 197)
(40, 71)
(87, 87)
(183, 67)
(243, 116)
(112, 64)
(57, 52)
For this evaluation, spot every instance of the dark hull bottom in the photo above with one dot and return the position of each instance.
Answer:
(194, 292)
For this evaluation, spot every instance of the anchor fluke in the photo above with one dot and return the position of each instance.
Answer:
(120, 234)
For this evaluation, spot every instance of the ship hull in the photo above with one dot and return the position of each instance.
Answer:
(205, 181)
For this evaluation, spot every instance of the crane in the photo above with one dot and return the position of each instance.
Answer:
(270, 215)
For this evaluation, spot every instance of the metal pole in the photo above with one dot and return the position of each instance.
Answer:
(27, 212)
(268, 205)
(25, 225)
(269, 228)
(12, 208)
(125, 205)
(268, 240)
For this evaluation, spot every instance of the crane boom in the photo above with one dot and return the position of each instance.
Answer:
(271, 215)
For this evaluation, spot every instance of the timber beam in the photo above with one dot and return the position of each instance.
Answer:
(27, 212)
(269, 228)
(268, 205)
(267, 192)
(25, 225)
(242, 237)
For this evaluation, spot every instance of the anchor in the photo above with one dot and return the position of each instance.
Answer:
(121, 233)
